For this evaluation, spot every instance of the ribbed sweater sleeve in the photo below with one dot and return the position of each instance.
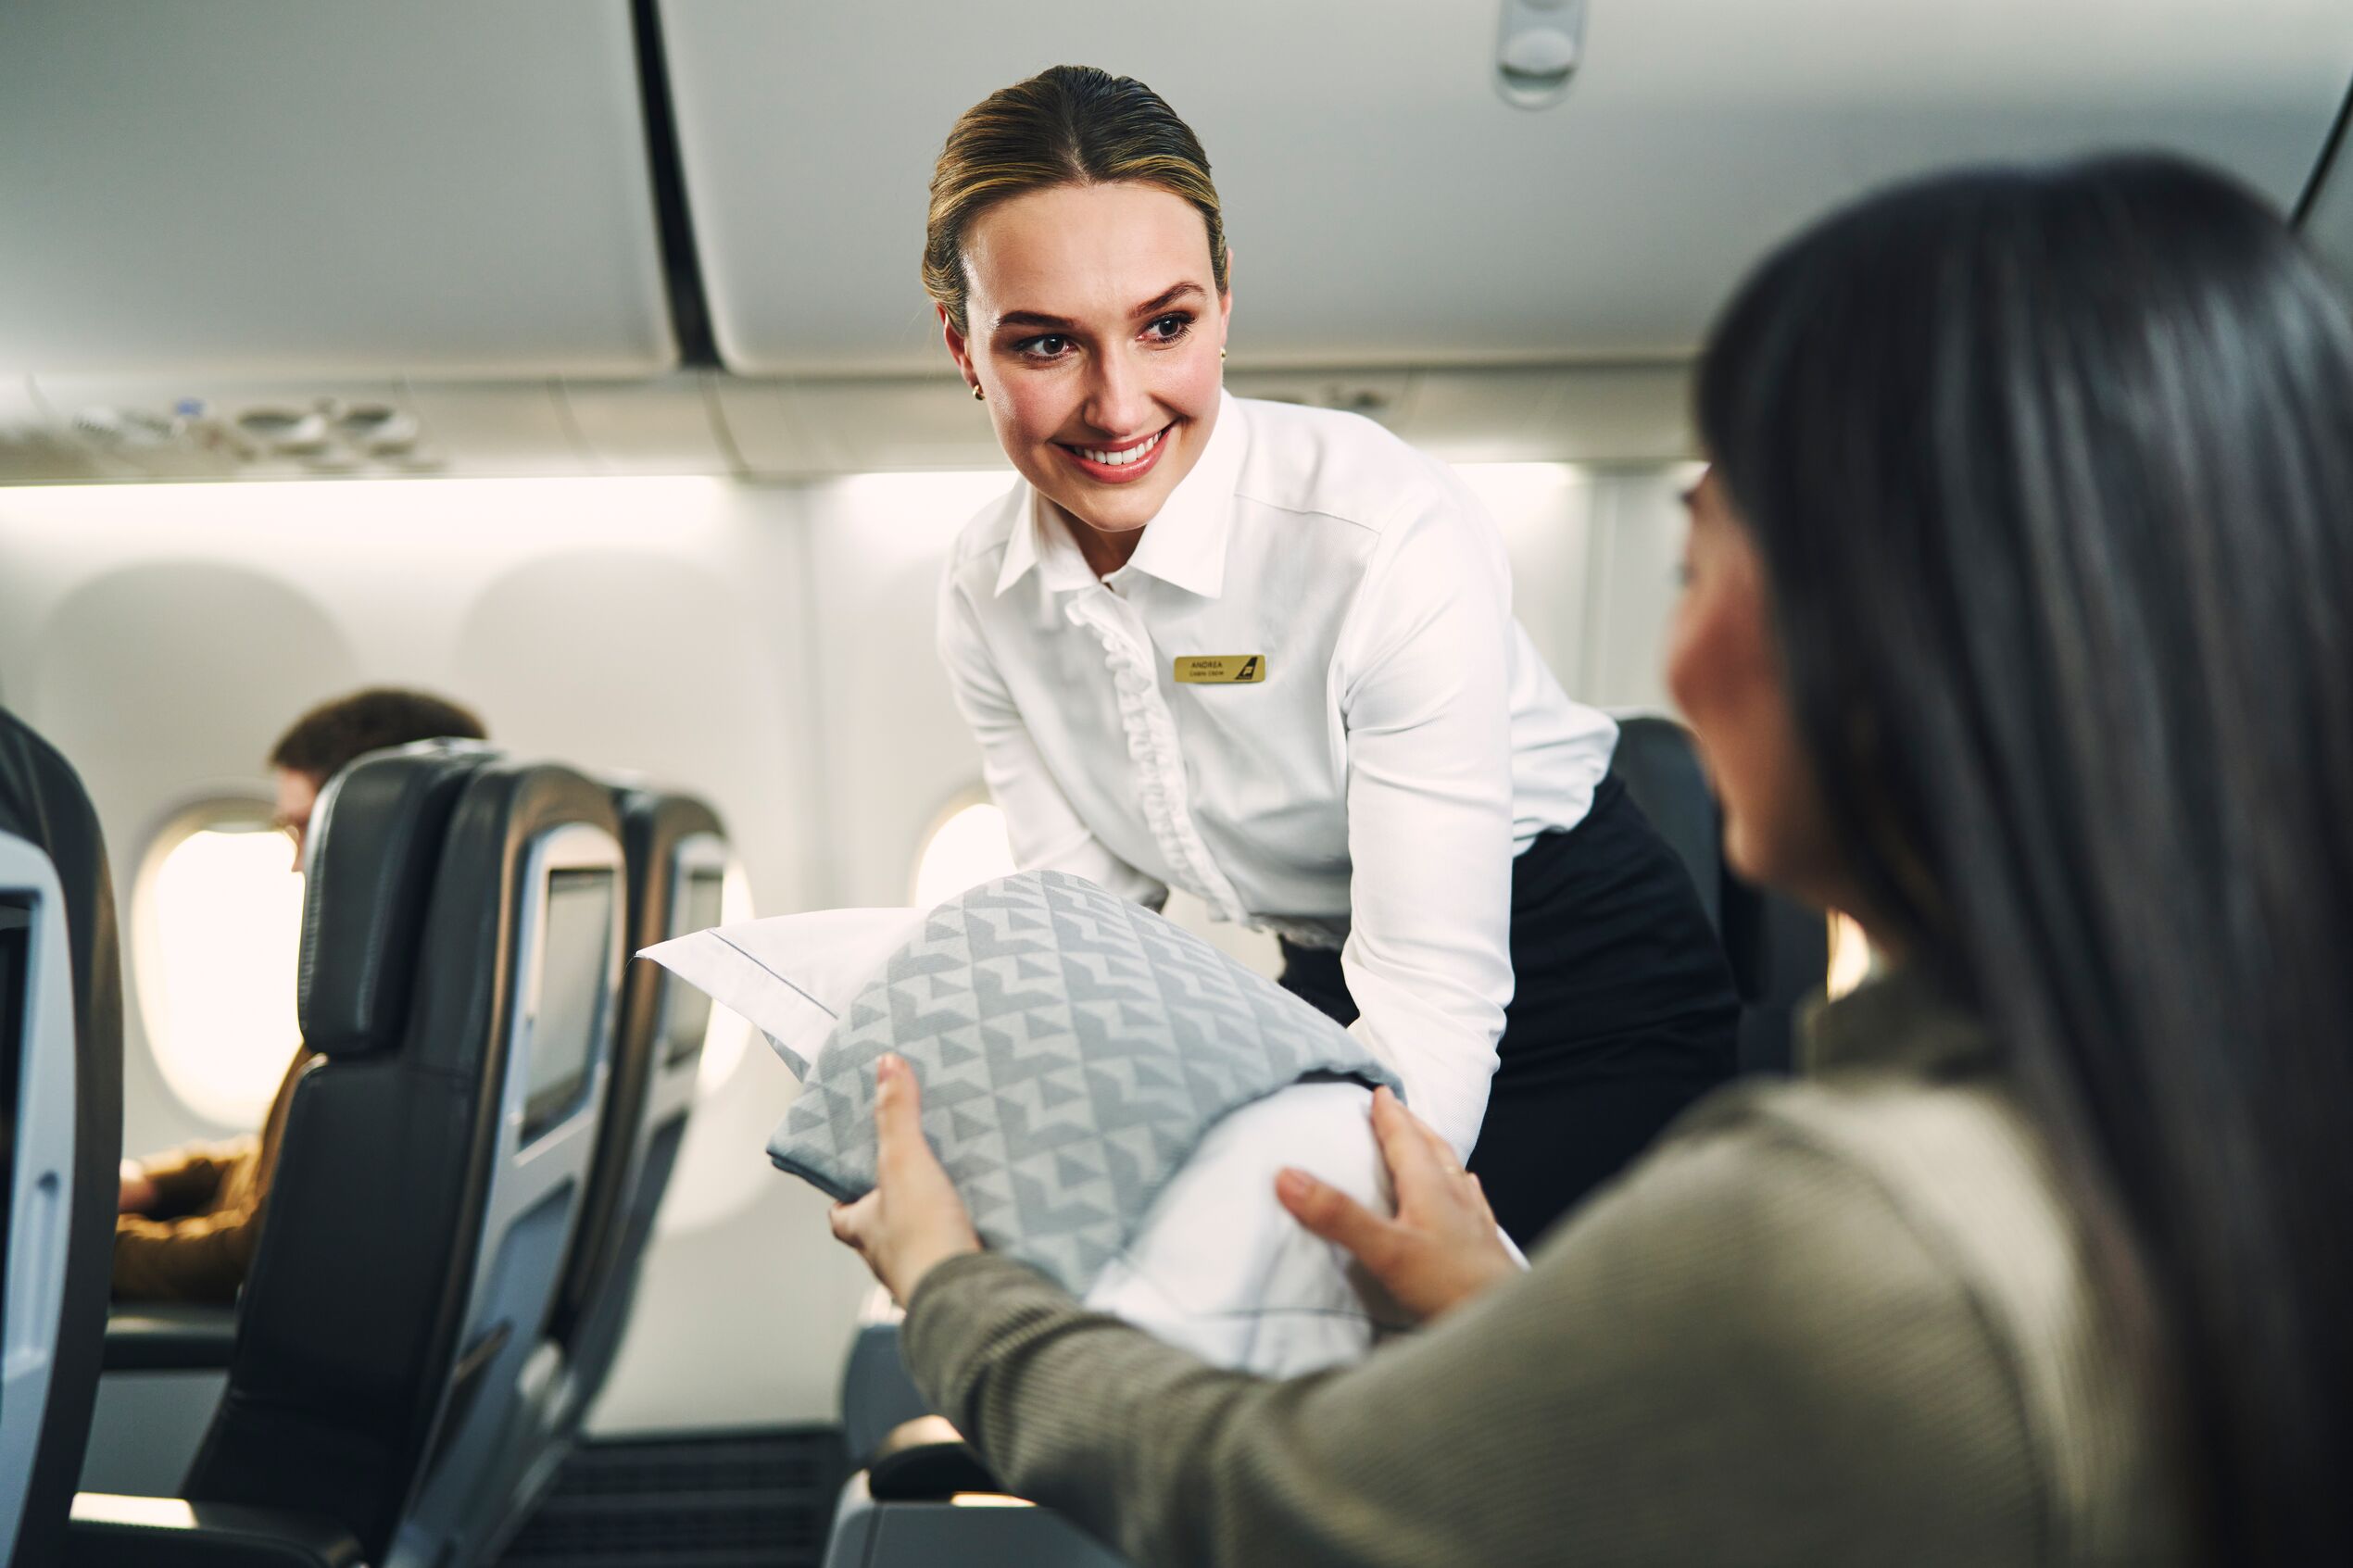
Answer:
(1744, 1352)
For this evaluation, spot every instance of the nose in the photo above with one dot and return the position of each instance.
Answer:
(1117, 401)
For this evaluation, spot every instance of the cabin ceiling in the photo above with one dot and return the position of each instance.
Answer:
(1386, 205)
(436, 226)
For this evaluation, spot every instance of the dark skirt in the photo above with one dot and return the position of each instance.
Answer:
(1623, 1012)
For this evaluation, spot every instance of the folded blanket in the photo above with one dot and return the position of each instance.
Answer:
(1111, 1095)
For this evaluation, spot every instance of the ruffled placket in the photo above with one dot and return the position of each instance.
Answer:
(1152, 752)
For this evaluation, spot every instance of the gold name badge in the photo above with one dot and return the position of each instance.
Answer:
(1220, 669)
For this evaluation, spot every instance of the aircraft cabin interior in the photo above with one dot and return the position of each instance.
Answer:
(571, 362)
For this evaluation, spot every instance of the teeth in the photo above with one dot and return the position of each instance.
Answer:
(1125, 456)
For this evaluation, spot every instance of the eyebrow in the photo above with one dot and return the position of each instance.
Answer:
(1160, 301)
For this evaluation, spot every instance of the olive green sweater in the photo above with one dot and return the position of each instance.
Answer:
(1836, 1320)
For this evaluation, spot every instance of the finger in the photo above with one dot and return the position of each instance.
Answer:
(1442, 1152)
(1330, 1213)
(899, 1118)
(1413, 1163)
(853, 1222)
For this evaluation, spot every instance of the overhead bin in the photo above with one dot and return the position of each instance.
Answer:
(266, 189)
(1387, 205)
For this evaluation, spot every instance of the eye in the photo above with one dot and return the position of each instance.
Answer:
(1169, 328)
(1050, 345)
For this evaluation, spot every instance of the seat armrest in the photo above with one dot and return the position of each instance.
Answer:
(928, 1473)
(169, 1339)
(118, 1532)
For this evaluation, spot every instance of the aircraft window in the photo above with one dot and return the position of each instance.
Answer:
(686, 1011)
(968, 847)
(1850, 958)
(713, 1180)
(725, 1033)
(216, 919)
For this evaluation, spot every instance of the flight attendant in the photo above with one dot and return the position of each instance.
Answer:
(1266, 654)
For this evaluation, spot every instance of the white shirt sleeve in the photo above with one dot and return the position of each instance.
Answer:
(1046, 831)
(1426, 706)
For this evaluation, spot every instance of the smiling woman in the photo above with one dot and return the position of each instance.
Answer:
(1265, 655)
(1081, 277)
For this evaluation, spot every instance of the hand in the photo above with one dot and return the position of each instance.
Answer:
(136, 1194)
(1442, 1249)
(914, 1218)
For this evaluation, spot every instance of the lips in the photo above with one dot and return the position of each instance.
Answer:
(1118, 465)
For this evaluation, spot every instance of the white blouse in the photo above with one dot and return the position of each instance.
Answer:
(1365, 785)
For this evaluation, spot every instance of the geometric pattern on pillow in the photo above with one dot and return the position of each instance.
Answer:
(1073, 1049)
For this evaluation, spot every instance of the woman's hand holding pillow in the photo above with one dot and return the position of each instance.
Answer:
(1442, 1249)
(914, 1218)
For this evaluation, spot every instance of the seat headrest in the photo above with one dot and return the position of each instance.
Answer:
(369, 860)
(1659, 766)
(41, 801)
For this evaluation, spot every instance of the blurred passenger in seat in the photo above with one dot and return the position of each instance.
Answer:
(2019, 625)
(190, 1218)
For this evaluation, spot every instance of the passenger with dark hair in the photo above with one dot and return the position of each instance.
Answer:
(190, 1219)
(2020, 625)
(332, 736)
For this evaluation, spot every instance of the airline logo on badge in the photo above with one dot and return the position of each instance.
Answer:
(1220, 669)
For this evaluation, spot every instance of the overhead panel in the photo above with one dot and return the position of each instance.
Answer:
(264, 189)
(1385, 202)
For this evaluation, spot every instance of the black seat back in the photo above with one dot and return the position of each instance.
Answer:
(1779, 950)
(363, 1338)
(60, 1241)
(677, 855)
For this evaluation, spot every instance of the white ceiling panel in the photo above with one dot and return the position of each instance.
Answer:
(266, 188)
(1386, 205)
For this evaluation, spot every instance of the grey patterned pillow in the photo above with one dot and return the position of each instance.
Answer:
(1072, 1049)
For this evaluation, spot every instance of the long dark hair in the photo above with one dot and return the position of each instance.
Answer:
(2052, 473)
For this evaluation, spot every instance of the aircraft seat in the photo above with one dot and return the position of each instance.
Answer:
(926, 1497)
(61, 1115)
(43, 1403)
(878, 1396)
(459, 947)
(1779, 950)
(676, 853)
(62, 1119)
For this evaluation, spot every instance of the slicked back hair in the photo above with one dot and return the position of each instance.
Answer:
(1072, 125)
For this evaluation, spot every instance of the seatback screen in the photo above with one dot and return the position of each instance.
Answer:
(686, 1011)
(574, 941)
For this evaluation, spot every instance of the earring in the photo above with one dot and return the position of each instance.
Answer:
(1221, 354)
(978, 396)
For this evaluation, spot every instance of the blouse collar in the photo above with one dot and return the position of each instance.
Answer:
(1183, 545)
